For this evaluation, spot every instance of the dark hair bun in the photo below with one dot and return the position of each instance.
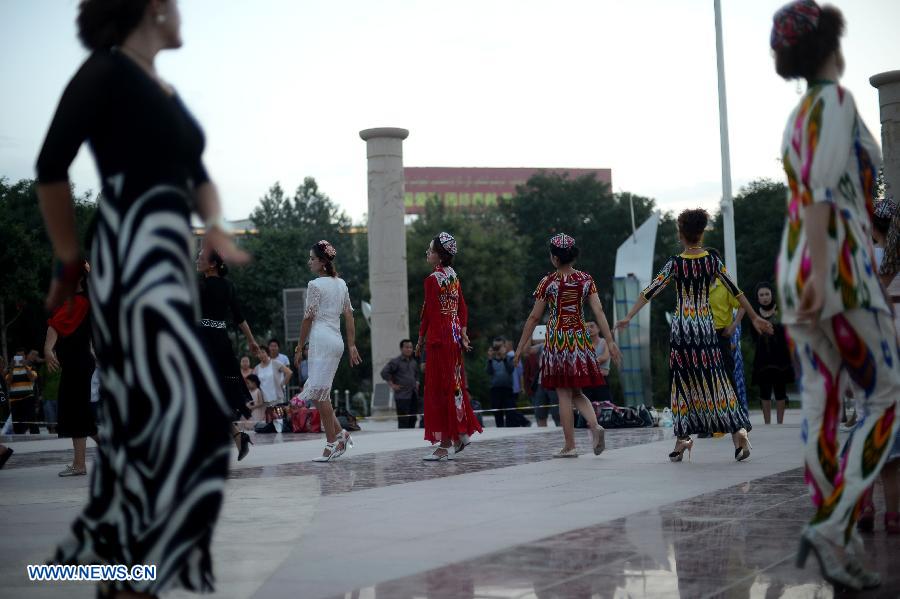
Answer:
(321, 250)
(692, 223)
(804, 58)
(103, 24)
(565, 255)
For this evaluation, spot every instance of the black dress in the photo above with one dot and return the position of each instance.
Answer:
(218, 302)
(772, 364)
(76, 419)
(158, 480)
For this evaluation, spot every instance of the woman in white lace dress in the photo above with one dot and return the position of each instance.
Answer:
(326, 299)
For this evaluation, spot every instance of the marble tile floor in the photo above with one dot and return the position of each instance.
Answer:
(504, 520)
(688, 549)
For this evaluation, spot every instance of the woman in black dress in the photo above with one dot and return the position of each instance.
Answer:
(159, 477)
(772, 367)
(218, 301)
(68, 347)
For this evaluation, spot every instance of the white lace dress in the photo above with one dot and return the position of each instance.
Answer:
(326, 300)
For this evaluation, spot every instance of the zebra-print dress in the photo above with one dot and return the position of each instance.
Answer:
(157, 483)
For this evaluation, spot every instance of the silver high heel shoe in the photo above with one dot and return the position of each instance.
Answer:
(832, 569)
(343, 442)
(331, 448)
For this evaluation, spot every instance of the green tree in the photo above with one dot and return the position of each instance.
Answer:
(584, 208)
(287, 226)
(27, 258)
(488, 263)
(759, 211)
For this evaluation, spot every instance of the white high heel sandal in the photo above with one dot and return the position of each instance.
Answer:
(332, 453)
(343, 442)
(435, 457)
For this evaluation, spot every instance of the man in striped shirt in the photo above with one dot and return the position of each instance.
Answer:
(20, 383)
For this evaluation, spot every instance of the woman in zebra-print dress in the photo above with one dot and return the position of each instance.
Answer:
(157, 485)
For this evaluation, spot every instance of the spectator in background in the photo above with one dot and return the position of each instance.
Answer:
(540, 397)
(274, 348)
(20, 381)
(41, 406)
(272, 377)
(402, 374)
(723, 304)
(604, 360)
(246, 369)
(258, 403)
(500, 368)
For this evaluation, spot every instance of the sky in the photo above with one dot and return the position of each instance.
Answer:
(283, 87)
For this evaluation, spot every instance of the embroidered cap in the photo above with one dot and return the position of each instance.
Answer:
(885, 208)
(562, 241)
(448, 242)
(327, 248)
(793, 21)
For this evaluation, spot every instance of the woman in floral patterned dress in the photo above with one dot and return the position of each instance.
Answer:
(833, 305)
(568, 362)
(702, 397)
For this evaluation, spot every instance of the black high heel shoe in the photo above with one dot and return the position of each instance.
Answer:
(245, 445)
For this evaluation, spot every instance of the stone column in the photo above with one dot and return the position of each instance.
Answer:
(387, 251)
(888, 86)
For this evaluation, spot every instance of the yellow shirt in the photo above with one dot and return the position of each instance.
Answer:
(722, 304)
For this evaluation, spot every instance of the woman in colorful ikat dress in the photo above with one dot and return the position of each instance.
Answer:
(449, 419)
(702, 396)
(836, 313)
(568, 362)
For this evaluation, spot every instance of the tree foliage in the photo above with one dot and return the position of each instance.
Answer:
(27, 259)
(759, 211)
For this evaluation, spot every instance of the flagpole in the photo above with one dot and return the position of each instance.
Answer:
(727, 203)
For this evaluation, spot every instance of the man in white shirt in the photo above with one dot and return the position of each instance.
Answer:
(275, 354)
(272, 378)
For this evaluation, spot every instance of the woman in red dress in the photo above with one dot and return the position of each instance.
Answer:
(449, 419)
(568, 363)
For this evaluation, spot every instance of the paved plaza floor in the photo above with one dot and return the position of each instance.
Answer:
(502, 520)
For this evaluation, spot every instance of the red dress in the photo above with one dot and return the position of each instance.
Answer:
(448, 413)
(568, 359)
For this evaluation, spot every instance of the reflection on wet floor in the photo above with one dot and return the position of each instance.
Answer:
(367, 471)
(734, 543)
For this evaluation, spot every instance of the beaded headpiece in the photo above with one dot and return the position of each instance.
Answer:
(447, 242)
(793, 21)
(885, 208)
(327, 248)
(562, 241)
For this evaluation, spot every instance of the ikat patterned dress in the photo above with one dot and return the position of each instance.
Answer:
(568, 360)
(702, 398)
